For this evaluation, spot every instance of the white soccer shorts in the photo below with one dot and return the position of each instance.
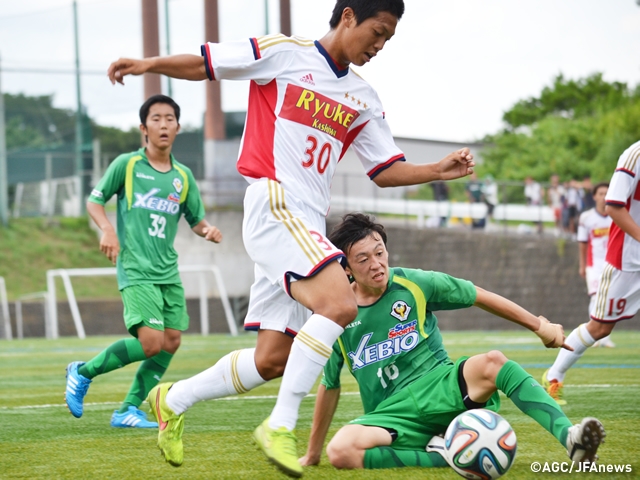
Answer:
(286, 240)
(618, 296)
(593, 275)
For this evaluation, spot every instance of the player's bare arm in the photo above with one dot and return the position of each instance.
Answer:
(622, 218)
(457, 164)
(184, 66)
(582, 252)
(109, 244)
(209, 232)
(325, 408)
(551, 334)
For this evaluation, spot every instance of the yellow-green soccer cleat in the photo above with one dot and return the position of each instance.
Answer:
(280, 447)
(554, 388)
(170, 425)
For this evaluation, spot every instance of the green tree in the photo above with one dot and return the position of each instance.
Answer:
(33, 122)
(574, 128)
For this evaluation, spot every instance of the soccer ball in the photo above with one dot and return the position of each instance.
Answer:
(480, 444)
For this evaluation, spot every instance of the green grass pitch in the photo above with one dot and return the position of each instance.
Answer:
(40, 439)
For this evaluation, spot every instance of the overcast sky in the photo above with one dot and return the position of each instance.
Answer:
(450, 72)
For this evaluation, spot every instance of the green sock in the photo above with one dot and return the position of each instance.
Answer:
(387, 457)
(147, 377)
(533, 400)
(117, 355)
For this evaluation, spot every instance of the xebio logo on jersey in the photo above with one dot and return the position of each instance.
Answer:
(400, 310)
(317, 111)
(149, 202)
(402, 338)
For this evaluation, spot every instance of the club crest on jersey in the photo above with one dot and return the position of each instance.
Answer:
(149, 201)
(315, 110)
(370, 354)
(173, 198)
(177, 184)
(400, 310)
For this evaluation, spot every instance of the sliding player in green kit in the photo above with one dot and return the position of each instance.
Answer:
(153, 191)
(410, 389)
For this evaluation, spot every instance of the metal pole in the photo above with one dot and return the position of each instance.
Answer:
(4, 201)
(79, 140)
(166, 26)
(266, 17)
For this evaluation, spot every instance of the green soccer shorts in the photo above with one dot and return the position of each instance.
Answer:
(154, 306)
(423, 409)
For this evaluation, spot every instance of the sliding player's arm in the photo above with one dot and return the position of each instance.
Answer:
(185, 67)
(326, 404)
(551, 334)
(621, 217)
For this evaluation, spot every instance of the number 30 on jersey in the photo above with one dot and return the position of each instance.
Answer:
(320, 157)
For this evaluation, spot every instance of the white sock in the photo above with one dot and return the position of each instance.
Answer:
(580, 339)
(309, 353)
(234, 373)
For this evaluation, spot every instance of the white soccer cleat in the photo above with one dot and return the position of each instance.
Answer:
(584, 439)
(437, 445)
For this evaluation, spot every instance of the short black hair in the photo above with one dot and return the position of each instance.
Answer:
(353, 228)
(595, 188)
(364, 9)
(146, 106)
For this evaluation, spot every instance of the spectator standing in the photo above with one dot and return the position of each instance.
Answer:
(441, 194)
(573, 207)
(533, 193)
(490, 195)
(475, 195)
(555, 195)
(588, 201)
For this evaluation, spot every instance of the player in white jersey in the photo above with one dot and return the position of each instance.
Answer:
(306, 107)
(618, 295)
(593, 237)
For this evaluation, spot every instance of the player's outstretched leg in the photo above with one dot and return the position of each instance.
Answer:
(580, 339)
(584, 439)
(532, 399)
(170, 425)
(280, 447)
(77, 386)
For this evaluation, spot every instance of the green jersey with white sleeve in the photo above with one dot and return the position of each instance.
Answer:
(150, 204)
(396, 340)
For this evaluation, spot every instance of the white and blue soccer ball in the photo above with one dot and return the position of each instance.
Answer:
(480, 444)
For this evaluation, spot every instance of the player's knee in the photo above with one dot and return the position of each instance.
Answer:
(271, 366)
(341, 311)
(151, 348)
(495, 360)
(599, 330)
(340, 454)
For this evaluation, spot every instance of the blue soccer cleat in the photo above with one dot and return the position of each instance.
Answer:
(77, 387)
(132, 418)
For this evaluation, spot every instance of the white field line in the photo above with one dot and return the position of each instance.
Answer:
(268, 397)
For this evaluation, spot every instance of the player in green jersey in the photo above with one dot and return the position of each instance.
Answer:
(410, 389)
(153, 192)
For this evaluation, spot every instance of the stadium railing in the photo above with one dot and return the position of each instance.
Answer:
(51, 319)
(5, 310)
(422, 209)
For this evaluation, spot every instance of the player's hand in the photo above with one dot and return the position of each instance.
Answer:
(125, 66)
(212, 234)
(309, 460)
(456, 165)
(109, 245)
(552, 334)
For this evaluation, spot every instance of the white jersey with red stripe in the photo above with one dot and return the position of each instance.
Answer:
(624, 191)
(593, 229)
(304, 112)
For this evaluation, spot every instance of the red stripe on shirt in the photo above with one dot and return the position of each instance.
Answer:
(208, 60)
(616, 242)
(351, 136)
(257, 159)
(374, 171)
